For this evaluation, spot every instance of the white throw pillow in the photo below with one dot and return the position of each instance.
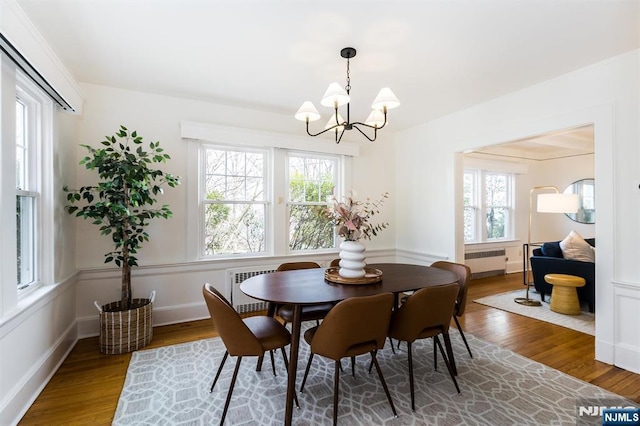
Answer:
(574, 247)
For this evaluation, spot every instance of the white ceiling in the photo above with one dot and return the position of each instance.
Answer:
(437, 56)
(560, 144)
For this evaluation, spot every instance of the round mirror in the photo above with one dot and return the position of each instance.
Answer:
(585, 188)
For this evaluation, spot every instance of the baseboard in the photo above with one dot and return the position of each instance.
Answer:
(628, 357)
(19, 398)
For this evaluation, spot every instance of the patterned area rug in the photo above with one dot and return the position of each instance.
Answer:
(585, 322)
(170, 386)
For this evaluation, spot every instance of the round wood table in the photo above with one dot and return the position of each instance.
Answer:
(564, 296)
(308, 287)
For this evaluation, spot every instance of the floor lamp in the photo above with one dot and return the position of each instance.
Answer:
(555, 202)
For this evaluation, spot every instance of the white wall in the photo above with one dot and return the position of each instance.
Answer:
(166, 265)
(37, 335)
(38, 329)
(560, 173)
(605, 94)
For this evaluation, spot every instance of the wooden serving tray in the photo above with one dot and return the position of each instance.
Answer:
(371, 276)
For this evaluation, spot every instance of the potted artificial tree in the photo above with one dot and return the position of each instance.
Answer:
(122, 204)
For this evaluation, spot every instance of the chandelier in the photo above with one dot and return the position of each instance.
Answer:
(335, 96)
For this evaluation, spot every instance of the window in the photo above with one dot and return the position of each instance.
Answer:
(311, 182)
(238, 214)
(234, 200)
(25, 199)
(488, 201)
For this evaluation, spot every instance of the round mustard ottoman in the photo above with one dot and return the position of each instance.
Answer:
(564, 296)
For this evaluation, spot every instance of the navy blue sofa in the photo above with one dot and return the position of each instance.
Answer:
(548, 259)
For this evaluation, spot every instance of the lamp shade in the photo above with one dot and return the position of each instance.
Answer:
(335, 94)
(332, 122)
(376, 119)
(385, 98)
(557, 203)
(307, 111)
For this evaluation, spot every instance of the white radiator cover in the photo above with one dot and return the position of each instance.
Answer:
(240, 301)
(486, 263)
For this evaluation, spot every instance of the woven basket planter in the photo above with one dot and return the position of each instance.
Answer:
(126, 331)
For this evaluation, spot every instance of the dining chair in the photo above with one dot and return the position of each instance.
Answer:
(309, 312)
(251, 336)
(353, 327)
(426, 313)
(335, 262)
(464, 275)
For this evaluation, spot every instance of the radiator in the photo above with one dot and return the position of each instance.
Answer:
(486, 263)
(240, 301)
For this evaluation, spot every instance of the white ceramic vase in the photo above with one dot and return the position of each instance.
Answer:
(352, 259)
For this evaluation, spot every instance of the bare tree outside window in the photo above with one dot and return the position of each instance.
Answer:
(311, 185)
(234, 201)
(496, 205)
(487, 198)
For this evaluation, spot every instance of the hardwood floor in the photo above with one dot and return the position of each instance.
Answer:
(86, 388)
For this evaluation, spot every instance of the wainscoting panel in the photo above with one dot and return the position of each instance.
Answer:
(627, 318)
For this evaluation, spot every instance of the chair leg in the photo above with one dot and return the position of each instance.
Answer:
(451, 373)
(336, 382)
(411, 387)
(371, 362)
(233, 382)
(464, 339)
(353, 366)
(384, 384)
(435, 356)
(451, 358)
(286, 367)
(224, 359)
(259, 363)
(391, 343)
(306, 372)
(273, 363)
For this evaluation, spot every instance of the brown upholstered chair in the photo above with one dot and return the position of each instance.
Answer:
(251, 336)
(464, 274)
(426, 313)
(353, 327)
(309, 312)
(335, 262)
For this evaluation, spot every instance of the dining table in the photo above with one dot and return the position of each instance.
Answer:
(309, 287)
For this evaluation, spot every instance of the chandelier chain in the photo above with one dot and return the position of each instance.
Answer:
(348, 86)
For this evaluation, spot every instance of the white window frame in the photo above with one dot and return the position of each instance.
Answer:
(338, 190)
(196, 135)
(39, 142)
(266, 202)
(480, 207)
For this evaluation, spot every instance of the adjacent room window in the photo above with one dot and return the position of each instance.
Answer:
(311, 183)
(234, 201)
(488, 205)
